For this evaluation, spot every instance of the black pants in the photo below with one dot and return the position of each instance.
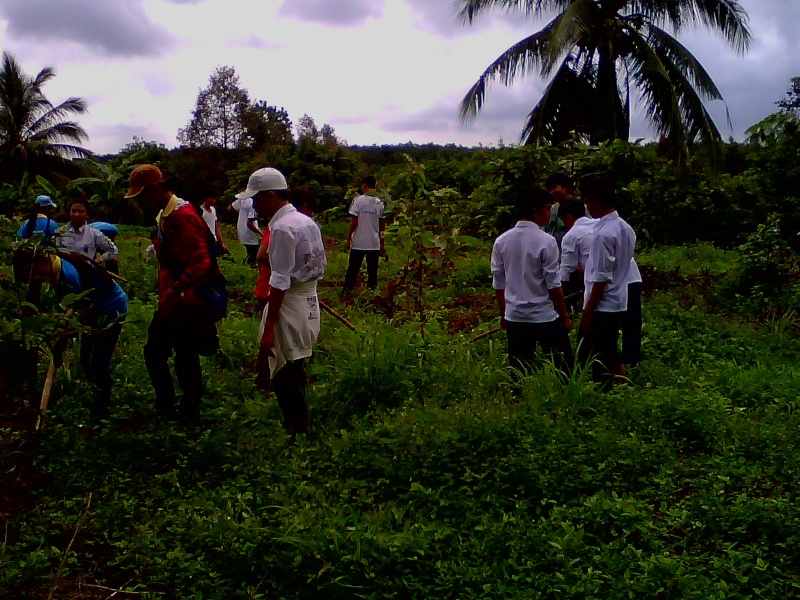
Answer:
(252, 254)
(632, 326)
(523, 338)
(97, 348)
(289, 385)
(573, 291)
(601, 345)
(189, 335)
(354, 266)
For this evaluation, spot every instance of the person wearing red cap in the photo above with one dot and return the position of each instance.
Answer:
(191, 295)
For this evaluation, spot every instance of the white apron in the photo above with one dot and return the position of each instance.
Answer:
(297, 328)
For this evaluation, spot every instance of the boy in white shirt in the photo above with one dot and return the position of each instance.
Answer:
(210, 217)
(365, 238)
(525, 276)
(606, 282)
(574, 250)
(247, 228)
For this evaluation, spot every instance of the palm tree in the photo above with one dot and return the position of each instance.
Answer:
(34, 135)
(596, 51)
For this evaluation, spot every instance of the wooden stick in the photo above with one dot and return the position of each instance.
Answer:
(48, 387)
(480, 336)
(336, 315)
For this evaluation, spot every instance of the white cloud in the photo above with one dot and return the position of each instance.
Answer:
(341, 13)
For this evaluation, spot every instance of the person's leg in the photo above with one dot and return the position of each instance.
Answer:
(373, 257)
(157, 351)
(555, 342)
(190, 378)
(252, 253)
(607, 327)
(521, 351)
(289, 385)
(353, 267)
(632, 326)
(196, 336)
(99, 348)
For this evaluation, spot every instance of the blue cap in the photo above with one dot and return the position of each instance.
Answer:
(45, 201)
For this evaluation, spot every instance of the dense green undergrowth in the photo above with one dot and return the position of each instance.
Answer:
(422, 478)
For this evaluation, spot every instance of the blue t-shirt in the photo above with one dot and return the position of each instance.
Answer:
(44, 226)
(109, 302)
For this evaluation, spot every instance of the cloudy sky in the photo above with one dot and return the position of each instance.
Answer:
(378, 71)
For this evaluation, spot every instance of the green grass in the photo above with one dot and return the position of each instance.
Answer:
(423, 479)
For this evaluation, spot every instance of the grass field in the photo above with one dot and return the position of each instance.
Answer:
(422, 478)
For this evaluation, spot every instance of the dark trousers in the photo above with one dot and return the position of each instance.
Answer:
(552, 337)
(97, 348)
(189, 336)
(632, 326)
(289, 385)
(252, 253)
(601, 345)
(354, 266)
(573, 291)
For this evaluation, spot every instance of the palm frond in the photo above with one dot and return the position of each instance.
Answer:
(468, 10)
(522, 57)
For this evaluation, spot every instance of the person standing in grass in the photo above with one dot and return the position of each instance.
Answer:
(606, 281)
(191, 296)
(525, 277)
(209, 210)
(79, 236)
(365, 237)
(247, 228)
(574, 250)
(290, 321)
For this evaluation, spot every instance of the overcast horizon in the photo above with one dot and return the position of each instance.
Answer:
(378, 71)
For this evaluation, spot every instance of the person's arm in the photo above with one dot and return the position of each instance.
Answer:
(252, 225)
(552, 280)
(499, 282)
(218, 231)
(599, 273)
(193, 251)
(353, 227)
(101, 242)
(500, 296)
(569, 257)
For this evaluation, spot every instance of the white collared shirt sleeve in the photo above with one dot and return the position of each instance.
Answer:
(353, 207)
(103, 244)
(498, 269)
(550, 267)
(281, 259)
(569, 255)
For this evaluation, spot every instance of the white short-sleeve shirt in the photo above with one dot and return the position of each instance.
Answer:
(296, 250)
(609, 261)
(575, 246)
(246, 213)
(369, 210)
(525, 265)
(210, 217)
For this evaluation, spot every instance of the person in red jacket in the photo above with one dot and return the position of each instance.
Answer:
(191, 296)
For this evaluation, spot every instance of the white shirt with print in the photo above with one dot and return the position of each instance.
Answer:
(296, 251)
(525, 265)
(369, 210)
